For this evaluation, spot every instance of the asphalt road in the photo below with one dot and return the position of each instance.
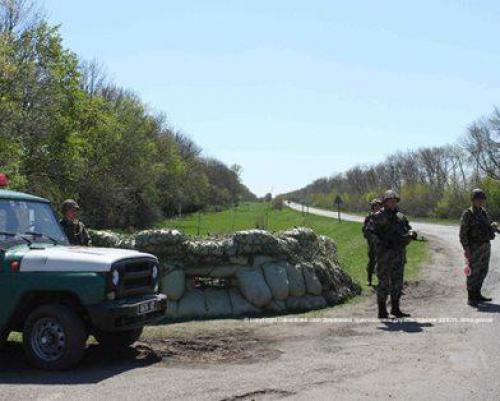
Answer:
(475, 355)
(445, 354)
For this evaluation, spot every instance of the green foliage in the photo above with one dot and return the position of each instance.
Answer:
(452, 204)
(61, 136)
(419, 199)
(278, 203)
(492, 189)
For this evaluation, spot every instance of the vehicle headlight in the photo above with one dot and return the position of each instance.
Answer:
(115, 278)
(155, 272)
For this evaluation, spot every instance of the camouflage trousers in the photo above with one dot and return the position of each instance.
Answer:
(390, 273)
(372, 258)
(479, 265)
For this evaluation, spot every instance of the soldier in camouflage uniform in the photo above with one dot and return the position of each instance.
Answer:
(392, 233)
(476, 231)
(75, 230)
(375, 205)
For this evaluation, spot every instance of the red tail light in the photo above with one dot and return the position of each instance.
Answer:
(15, 265)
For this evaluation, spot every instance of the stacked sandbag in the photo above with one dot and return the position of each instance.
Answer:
(166, 243)
(173, 282)
(313, 285)
(296, 282)
(110, 239)
(240, 305)
(253, 286)
(192, 305)
(104, 239)
(218, 302)
(210, 251)
(245, 274)
(276, 277)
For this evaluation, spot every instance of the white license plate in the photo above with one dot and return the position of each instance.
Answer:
(146, 307)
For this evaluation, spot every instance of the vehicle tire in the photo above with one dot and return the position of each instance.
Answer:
(118, 339)
(54, 337)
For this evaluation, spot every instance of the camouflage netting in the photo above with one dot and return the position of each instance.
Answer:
(247, 273)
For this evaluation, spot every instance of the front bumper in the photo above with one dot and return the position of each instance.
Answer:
(128, 313)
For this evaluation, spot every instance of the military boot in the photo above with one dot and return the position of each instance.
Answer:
(481, 298)
(395, 311)
(382, 309)
(472, 298)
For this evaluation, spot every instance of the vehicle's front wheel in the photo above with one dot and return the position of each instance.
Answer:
(54, 337)
(118, 339)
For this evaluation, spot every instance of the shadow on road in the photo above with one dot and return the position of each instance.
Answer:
(489, 308)
(407, 327)
(97, 365)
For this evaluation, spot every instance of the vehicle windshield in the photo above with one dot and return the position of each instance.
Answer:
(25, 221)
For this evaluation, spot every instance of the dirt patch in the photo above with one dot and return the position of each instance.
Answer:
(347, 332)
(198, 348)
(428, 290)
(228, 346)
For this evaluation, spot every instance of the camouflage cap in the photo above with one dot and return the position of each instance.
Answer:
(69, 204)
(477, 194)
(376, 202)
(390, 194)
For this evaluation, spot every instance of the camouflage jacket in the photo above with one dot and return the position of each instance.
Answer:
(76, 232)
(367, 232)
(391, 229)
(475, 227)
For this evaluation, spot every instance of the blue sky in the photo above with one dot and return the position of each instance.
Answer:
(296, 90)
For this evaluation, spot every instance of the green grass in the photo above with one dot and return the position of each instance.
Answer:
(347, 235)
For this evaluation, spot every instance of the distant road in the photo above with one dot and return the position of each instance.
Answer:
(325, 213)
(360, 219)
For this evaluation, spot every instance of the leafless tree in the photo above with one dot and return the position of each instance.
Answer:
(188, 149)
(93, 77)
(482, 142)
(18, 15)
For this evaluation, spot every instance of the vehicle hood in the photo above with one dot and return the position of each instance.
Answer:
(76, 259)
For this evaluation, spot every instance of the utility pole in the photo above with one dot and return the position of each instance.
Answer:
(199, 223)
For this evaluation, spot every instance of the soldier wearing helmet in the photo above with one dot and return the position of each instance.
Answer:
(75, 230)
(392, 233)
(476, 231)
(375, 206)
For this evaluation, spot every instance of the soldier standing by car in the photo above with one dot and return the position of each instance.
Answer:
(476, 231)
(75, 230)
(392, 233)
(376, 205)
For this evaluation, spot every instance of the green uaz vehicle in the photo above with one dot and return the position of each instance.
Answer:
(57, 295)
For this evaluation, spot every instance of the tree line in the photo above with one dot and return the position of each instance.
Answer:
(66, 131)
(432, 181)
